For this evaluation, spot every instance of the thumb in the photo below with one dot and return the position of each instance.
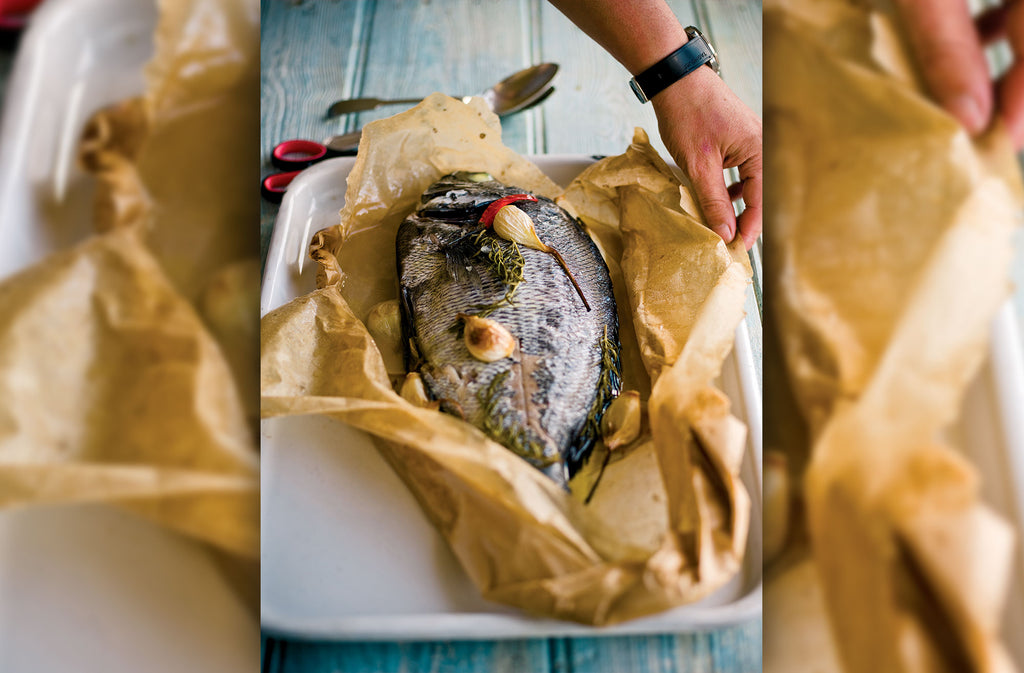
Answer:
(713, 197)
(949, 54)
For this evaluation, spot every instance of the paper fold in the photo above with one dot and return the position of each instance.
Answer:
(891, 236)
(115, 387)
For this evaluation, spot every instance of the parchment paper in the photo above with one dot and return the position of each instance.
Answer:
(668, 521)
(889, 252)
(113, 388)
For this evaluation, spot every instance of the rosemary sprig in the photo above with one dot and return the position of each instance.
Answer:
(608, 384)
(506, 261)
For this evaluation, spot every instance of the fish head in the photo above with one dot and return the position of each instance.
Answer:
(462, 197)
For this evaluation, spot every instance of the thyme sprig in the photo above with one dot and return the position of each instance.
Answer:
(506, 261)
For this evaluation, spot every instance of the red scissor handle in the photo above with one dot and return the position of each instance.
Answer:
(274, 186)
(14, 13)
(294, 155)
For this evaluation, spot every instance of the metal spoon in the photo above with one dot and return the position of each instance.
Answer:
(348, 143)
(509, 95)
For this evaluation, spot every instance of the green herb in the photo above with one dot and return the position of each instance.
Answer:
(506, 260)
(607, 389)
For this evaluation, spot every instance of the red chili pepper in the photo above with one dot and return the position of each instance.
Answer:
(487, 219)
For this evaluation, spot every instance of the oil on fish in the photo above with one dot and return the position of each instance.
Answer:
(545, 401)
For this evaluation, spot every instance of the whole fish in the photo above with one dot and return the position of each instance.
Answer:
(545, 401)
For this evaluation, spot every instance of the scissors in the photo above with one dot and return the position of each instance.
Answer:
(294, 156)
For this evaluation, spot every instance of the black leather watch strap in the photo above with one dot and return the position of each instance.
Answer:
(677, 65)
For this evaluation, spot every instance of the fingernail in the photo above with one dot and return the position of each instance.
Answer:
(725, 231)
(967, 109)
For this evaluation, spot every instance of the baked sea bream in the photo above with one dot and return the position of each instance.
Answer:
(508, 315)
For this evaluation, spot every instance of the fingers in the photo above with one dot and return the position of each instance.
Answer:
(749, 222)
(709, 185)
(707, 129)
(1011, 87)
(949, 54)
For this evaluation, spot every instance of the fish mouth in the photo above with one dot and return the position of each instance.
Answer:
(460, 199)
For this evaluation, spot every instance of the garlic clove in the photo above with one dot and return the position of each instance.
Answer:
(513, 224)
(621, 422)
(384, 322)
(414, 391)
(776, 497)
(487, 340)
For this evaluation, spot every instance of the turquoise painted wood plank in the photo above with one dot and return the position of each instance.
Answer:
(306, 53)
(306, 63)
(734, 27)
(737, 650)
(593, 110)
(731, 650)
(456, 47)
(442, 657)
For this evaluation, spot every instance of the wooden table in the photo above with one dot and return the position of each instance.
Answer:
(314, 53)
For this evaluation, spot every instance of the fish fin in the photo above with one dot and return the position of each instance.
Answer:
(577, 453)
(458, 258)
(410, 347)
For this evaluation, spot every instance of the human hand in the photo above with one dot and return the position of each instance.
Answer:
(706, 128)
(948, 44)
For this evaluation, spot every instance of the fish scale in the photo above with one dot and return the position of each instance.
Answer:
(545, 392)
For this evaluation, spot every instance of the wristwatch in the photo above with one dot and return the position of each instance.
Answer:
(677, 65)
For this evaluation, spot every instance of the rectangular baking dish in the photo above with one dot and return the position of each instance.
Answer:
(347, 553)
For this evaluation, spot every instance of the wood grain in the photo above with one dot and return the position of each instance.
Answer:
(731, 650)
(734, 27)
(317, 52)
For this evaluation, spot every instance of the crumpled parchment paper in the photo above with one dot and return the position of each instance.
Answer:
(668, 521)
(114, 387)
(890, 241)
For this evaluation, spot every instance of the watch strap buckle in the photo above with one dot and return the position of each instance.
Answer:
(637, 90)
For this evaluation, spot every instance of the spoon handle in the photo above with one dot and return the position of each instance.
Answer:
(363, 104)
(344, 144)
